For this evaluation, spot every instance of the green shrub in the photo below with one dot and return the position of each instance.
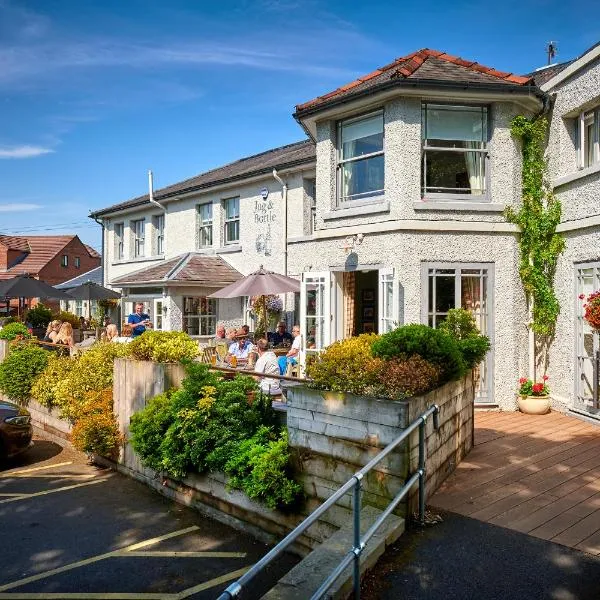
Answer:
(403, 379)
(95, 430)
(13, 331)
(39, 316)
(44, 387)
(461, 324)
(19, 370)
(163, 346)
(67, 317)
(347, 366)
(435, 346)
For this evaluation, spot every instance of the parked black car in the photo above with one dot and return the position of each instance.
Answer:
(15, 430)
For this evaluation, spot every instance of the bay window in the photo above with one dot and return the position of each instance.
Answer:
(455, 140)
(360, 166)
(199, 315)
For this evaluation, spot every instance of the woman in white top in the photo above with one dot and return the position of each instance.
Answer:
(267, 363)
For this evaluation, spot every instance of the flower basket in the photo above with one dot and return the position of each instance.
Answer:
(592, 309)
(534, 397)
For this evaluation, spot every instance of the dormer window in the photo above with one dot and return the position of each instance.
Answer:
(455, 140)
(360, 167)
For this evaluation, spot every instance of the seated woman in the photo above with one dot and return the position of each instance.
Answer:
(52, 331)
(65, 335)
(112, 335)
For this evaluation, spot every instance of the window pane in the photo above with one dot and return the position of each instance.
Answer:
(454, 172)
(232, 208)
(206, 236)
(362, 137)
(455, 123)
(206, 213)
(444, 294)
(232, 231)
(362, 178)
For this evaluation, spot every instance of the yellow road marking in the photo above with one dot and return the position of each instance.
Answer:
(89, 561)
(209, 584)
(46, 492)
(177, 554)
(5, 494)
(54, 466)
(61, 476)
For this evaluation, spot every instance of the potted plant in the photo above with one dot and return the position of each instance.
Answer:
(534, 397)
(592, 309)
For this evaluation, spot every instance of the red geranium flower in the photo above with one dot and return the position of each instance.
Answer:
(523, 380)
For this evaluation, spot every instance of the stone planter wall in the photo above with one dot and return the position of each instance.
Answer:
(48, 422)
(336, 434)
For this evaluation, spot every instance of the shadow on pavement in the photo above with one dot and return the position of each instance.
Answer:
(42, 450)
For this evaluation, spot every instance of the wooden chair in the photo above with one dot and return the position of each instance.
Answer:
(207, 354)
(293, 370)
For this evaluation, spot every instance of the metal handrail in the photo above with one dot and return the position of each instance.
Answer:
(359, 543)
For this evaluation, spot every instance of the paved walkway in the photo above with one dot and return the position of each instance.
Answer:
(538, 475)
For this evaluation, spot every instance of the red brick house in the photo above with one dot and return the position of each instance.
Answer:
(51, 258)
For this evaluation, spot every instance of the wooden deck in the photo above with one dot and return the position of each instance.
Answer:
(536, 474)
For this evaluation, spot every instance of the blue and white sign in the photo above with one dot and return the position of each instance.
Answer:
(264, 193)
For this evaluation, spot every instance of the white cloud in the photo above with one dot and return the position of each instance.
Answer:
(16, 207)
(23, 151)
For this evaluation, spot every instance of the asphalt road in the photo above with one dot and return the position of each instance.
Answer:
(465, 559)
(72, 530)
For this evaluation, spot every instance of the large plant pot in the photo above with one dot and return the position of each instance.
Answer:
(534, 405)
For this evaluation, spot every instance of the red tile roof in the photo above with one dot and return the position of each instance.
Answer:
(14, 243)
(93, 252)
(423, 64)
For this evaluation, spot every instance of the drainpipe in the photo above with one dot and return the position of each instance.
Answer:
(102, 259)
(284, 192)
(151, 192)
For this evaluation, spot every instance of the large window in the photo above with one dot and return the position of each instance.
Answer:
(454, 151)
(159, 234)
(205, 225)
(119, 237)
(139, 237)
(360, 158)
(232, 220)
(588, 138)
(199, 315)
(462, 286)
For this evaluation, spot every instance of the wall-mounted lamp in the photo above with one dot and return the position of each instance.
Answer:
(352, 241)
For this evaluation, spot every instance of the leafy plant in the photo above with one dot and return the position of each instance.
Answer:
(461, 324)
(434, 345)
(592, 309)
(39, 315)
(67, 317)
(13, 331)
(163, 346)
(401, 379)
(539, 243)
(347, 366)
(44, 387)
(95, 430)
(528, 387)
(19, 370)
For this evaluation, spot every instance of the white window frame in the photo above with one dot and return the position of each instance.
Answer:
(119, 233)
(207, 320)
(159, 314)
(138, 230)
(205, 226)
(485, 150)
(586, 118)
(159, 234)
(322, 281)
(371, 196)
(64, 260)
(391, 313)
(232, 219)
(79, 308)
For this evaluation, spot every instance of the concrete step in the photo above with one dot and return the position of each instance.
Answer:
(307, 576)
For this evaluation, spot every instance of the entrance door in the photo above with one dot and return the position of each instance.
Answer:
(586, 344)
(315, 311)
(467, 286)
(158, 314)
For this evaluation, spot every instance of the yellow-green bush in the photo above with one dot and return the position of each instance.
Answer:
(163, 346)
(44, 387)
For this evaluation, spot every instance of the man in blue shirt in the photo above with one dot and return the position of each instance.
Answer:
(240, 348)
(139, 320)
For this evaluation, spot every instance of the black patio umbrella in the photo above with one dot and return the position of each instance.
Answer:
(92, 291)
(25, 286)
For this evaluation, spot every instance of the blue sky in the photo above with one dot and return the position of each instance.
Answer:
(93, 94)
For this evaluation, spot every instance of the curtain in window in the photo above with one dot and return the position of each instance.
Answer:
(474, 161)
(349, 285)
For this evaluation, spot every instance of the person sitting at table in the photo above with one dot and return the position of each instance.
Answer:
(240, 348)
(267, 364)
(220, 334)
(65, 335)
(246, 330)
(292, 356)
(52, 331)
(230, 334)
(281, 337)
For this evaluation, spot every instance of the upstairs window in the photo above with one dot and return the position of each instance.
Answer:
(64, 261)
(205, 225)
(232, 220)
(77, 262)
(588, 138)
(119, 240)
(139, 237)
(159, 234)
(360, 168)
(455, 150)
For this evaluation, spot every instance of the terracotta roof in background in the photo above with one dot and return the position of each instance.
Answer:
(93, 252)
(41, 250)
(191, 267)
(424, 64)
(15, 243)
(258, 164)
